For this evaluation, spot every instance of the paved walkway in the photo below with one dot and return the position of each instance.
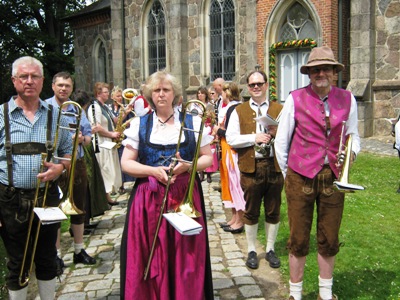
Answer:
(231, 278)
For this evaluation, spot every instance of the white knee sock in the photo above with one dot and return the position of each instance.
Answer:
(296, 289)
(18, 295)
(251, 237)
(271, 232)
(47, 289)
(325, 288)
(78, 248)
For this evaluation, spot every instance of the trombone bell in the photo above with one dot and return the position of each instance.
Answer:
(188, 210)
(342, 184)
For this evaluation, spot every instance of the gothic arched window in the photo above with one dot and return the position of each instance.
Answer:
(222, 39)
(100, 62)
(156, 38)
(298, 26)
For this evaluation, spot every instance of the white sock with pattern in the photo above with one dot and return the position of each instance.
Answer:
(271, 232)
(296, 289)
(325, 288)
(47, 289)
(251, 237)
(18, 295)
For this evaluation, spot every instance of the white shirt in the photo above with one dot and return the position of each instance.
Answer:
(138, 107)
(287, 124)
(237, 140)
(162, 134)
(397, 135)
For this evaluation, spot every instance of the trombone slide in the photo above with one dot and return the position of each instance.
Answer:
(31, 244)
(187, 205)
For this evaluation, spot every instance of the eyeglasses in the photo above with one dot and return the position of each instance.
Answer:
(25, 77)
(317, 70)
(253, 85)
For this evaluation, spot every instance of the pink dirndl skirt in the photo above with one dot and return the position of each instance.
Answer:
(178, 266)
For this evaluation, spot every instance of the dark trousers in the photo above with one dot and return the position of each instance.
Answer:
(15, 211)
(264, 185)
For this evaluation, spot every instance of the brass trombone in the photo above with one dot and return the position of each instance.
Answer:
(24, 275)
(344, 156)
(68, 205)
(187, 205)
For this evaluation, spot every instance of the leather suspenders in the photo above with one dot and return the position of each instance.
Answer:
(25, 148)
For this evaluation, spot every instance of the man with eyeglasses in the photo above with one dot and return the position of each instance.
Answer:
(27, 131)
(306, 145)
(260, 177)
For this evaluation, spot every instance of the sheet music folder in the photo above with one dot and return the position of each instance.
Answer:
(184, 224)
(348, 186)
(266, 121)
(50, 215)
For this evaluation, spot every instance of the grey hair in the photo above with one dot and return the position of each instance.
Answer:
(157, 77)
(115, 90)
(26, 60)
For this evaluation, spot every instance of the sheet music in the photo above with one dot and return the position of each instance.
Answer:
(50, 215)
(184, 224)
(266, 121)
(107, 145)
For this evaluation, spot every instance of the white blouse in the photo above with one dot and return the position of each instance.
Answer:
(163, 134)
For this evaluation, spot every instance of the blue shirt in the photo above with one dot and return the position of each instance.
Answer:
(26, 167)
(85, 126)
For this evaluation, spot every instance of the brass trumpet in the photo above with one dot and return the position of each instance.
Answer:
(187, 205)
(24, 275)
(344, 156)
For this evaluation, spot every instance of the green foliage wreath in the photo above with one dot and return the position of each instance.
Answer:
(272, 64)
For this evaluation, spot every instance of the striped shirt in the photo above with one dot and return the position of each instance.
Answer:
(26, 167)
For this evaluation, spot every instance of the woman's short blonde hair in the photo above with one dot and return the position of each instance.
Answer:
(154, 80)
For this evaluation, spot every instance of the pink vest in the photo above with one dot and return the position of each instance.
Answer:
(310, 143)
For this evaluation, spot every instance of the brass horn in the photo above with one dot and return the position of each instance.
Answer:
(24, 275)
(344, 156)
(187, 205)
(68, 205)
(129, 93)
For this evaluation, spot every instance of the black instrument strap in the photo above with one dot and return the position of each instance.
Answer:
(8, 145)
(49, 144)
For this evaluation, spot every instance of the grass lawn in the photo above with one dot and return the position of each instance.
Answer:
(368, 264)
